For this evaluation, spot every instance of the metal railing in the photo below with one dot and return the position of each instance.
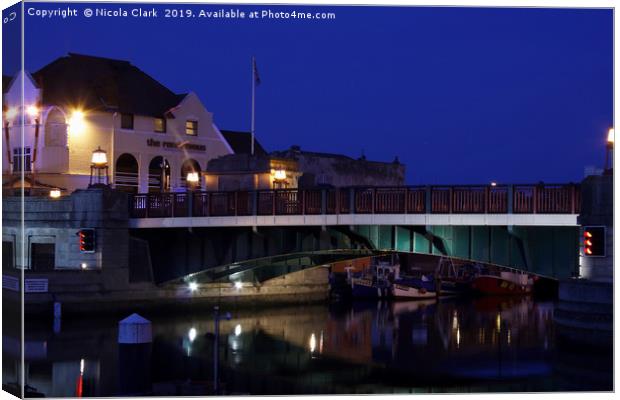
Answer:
(464, 199)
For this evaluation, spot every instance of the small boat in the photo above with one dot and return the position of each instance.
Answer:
(376, 282)
(455, 278)
(414, 287)
(503, 282)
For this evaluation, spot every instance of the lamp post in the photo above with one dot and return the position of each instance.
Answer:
(279, 179)
(193, 180)
(609, 152)
(99, 169)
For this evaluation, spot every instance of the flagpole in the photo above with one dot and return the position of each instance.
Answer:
(253, 94)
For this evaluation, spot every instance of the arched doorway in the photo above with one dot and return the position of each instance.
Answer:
(159, 175)
(55, 129)
(191, 166)
(126, 173)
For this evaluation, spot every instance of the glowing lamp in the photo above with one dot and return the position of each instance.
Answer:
(312, 343)
(193, 286)
(76, 122)
(99, 169)
(84, 266)
(99, 158)
(55, 193)
(279, 175)
(610, 136)
(11, 113)
(32, 110)
(192, 334)
(238, 285)
(192, 177)
(238, 330)
(493, 183)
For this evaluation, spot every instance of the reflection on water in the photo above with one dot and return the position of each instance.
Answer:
(485, 344)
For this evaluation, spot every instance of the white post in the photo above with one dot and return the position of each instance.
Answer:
(253, 94)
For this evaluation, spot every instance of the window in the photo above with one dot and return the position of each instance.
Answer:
(191, 127)
(160, 125)
(126, 121)
(42, 256)
(21, 159)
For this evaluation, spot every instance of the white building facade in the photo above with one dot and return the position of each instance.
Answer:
(153, 138)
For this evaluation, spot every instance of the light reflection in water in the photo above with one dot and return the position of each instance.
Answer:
(414, 343)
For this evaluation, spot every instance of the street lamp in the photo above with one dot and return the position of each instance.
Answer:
(99, 169)
(279, 178)
(55, 193)
(193, 180)
(609, 155)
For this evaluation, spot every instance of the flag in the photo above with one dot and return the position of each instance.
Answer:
(256, 77)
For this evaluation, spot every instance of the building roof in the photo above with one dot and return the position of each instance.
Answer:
(97, 83)
(240, 142)
(295, 151)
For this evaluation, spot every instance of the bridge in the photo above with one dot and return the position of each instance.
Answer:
(529, 227)
(498, 205)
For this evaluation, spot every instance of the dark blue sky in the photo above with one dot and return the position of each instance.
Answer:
(461, 95)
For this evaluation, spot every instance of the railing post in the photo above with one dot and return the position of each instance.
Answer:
(302, 202)
(323, 201)
(254, 203)
(274, 194)
(351, 200)
(510, 199)
(572, 198)
(373, 200)
(190, 204)
(209, 203)
(534, 199)
(487, 199)
(428, 202)
(450, 199)
(236, 203)
(147, 205)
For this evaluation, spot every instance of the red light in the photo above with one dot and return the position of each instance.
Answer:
(587, 234)
(588, 242)
(589, 251)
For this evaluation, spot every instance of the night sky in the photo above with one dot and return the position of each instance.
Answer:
(460, 95)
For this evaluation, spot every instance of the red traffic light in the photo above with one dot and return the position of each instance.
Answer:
(87, 240)
(594, 241)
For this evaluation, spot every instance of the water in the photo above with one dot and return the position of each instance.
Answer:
(465, 345)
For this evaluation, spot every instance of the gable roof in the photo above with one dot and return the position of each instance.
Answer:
(240, 142)
(98, 83)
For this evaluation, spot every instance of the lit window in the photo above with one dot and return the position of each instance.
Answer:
(126, 121)
(21, 159)
(191, 127)
(160, 125)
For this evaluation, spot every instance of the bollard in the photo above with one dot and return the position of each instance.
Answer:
(57, 309)
(216, 340)
(134, 355)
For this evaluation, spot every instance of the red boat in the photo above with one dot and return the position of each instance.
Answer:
(504, 282)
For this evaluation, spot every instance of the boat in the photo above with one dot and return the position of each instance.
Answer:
(456, 278)
(419, 286)
(502, 282)
(375, 282)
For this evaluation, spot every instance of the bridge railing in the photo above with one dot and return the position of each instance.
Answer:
(465, 199)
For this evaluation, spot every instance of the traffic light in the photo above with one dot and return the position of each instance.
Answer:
(87, 240)
(594, 241)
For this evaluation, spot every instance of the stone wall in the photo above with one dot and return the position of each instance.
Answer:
(57, 222)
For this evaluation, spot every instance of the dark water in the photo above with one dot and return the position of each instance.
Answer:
(474, 345)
